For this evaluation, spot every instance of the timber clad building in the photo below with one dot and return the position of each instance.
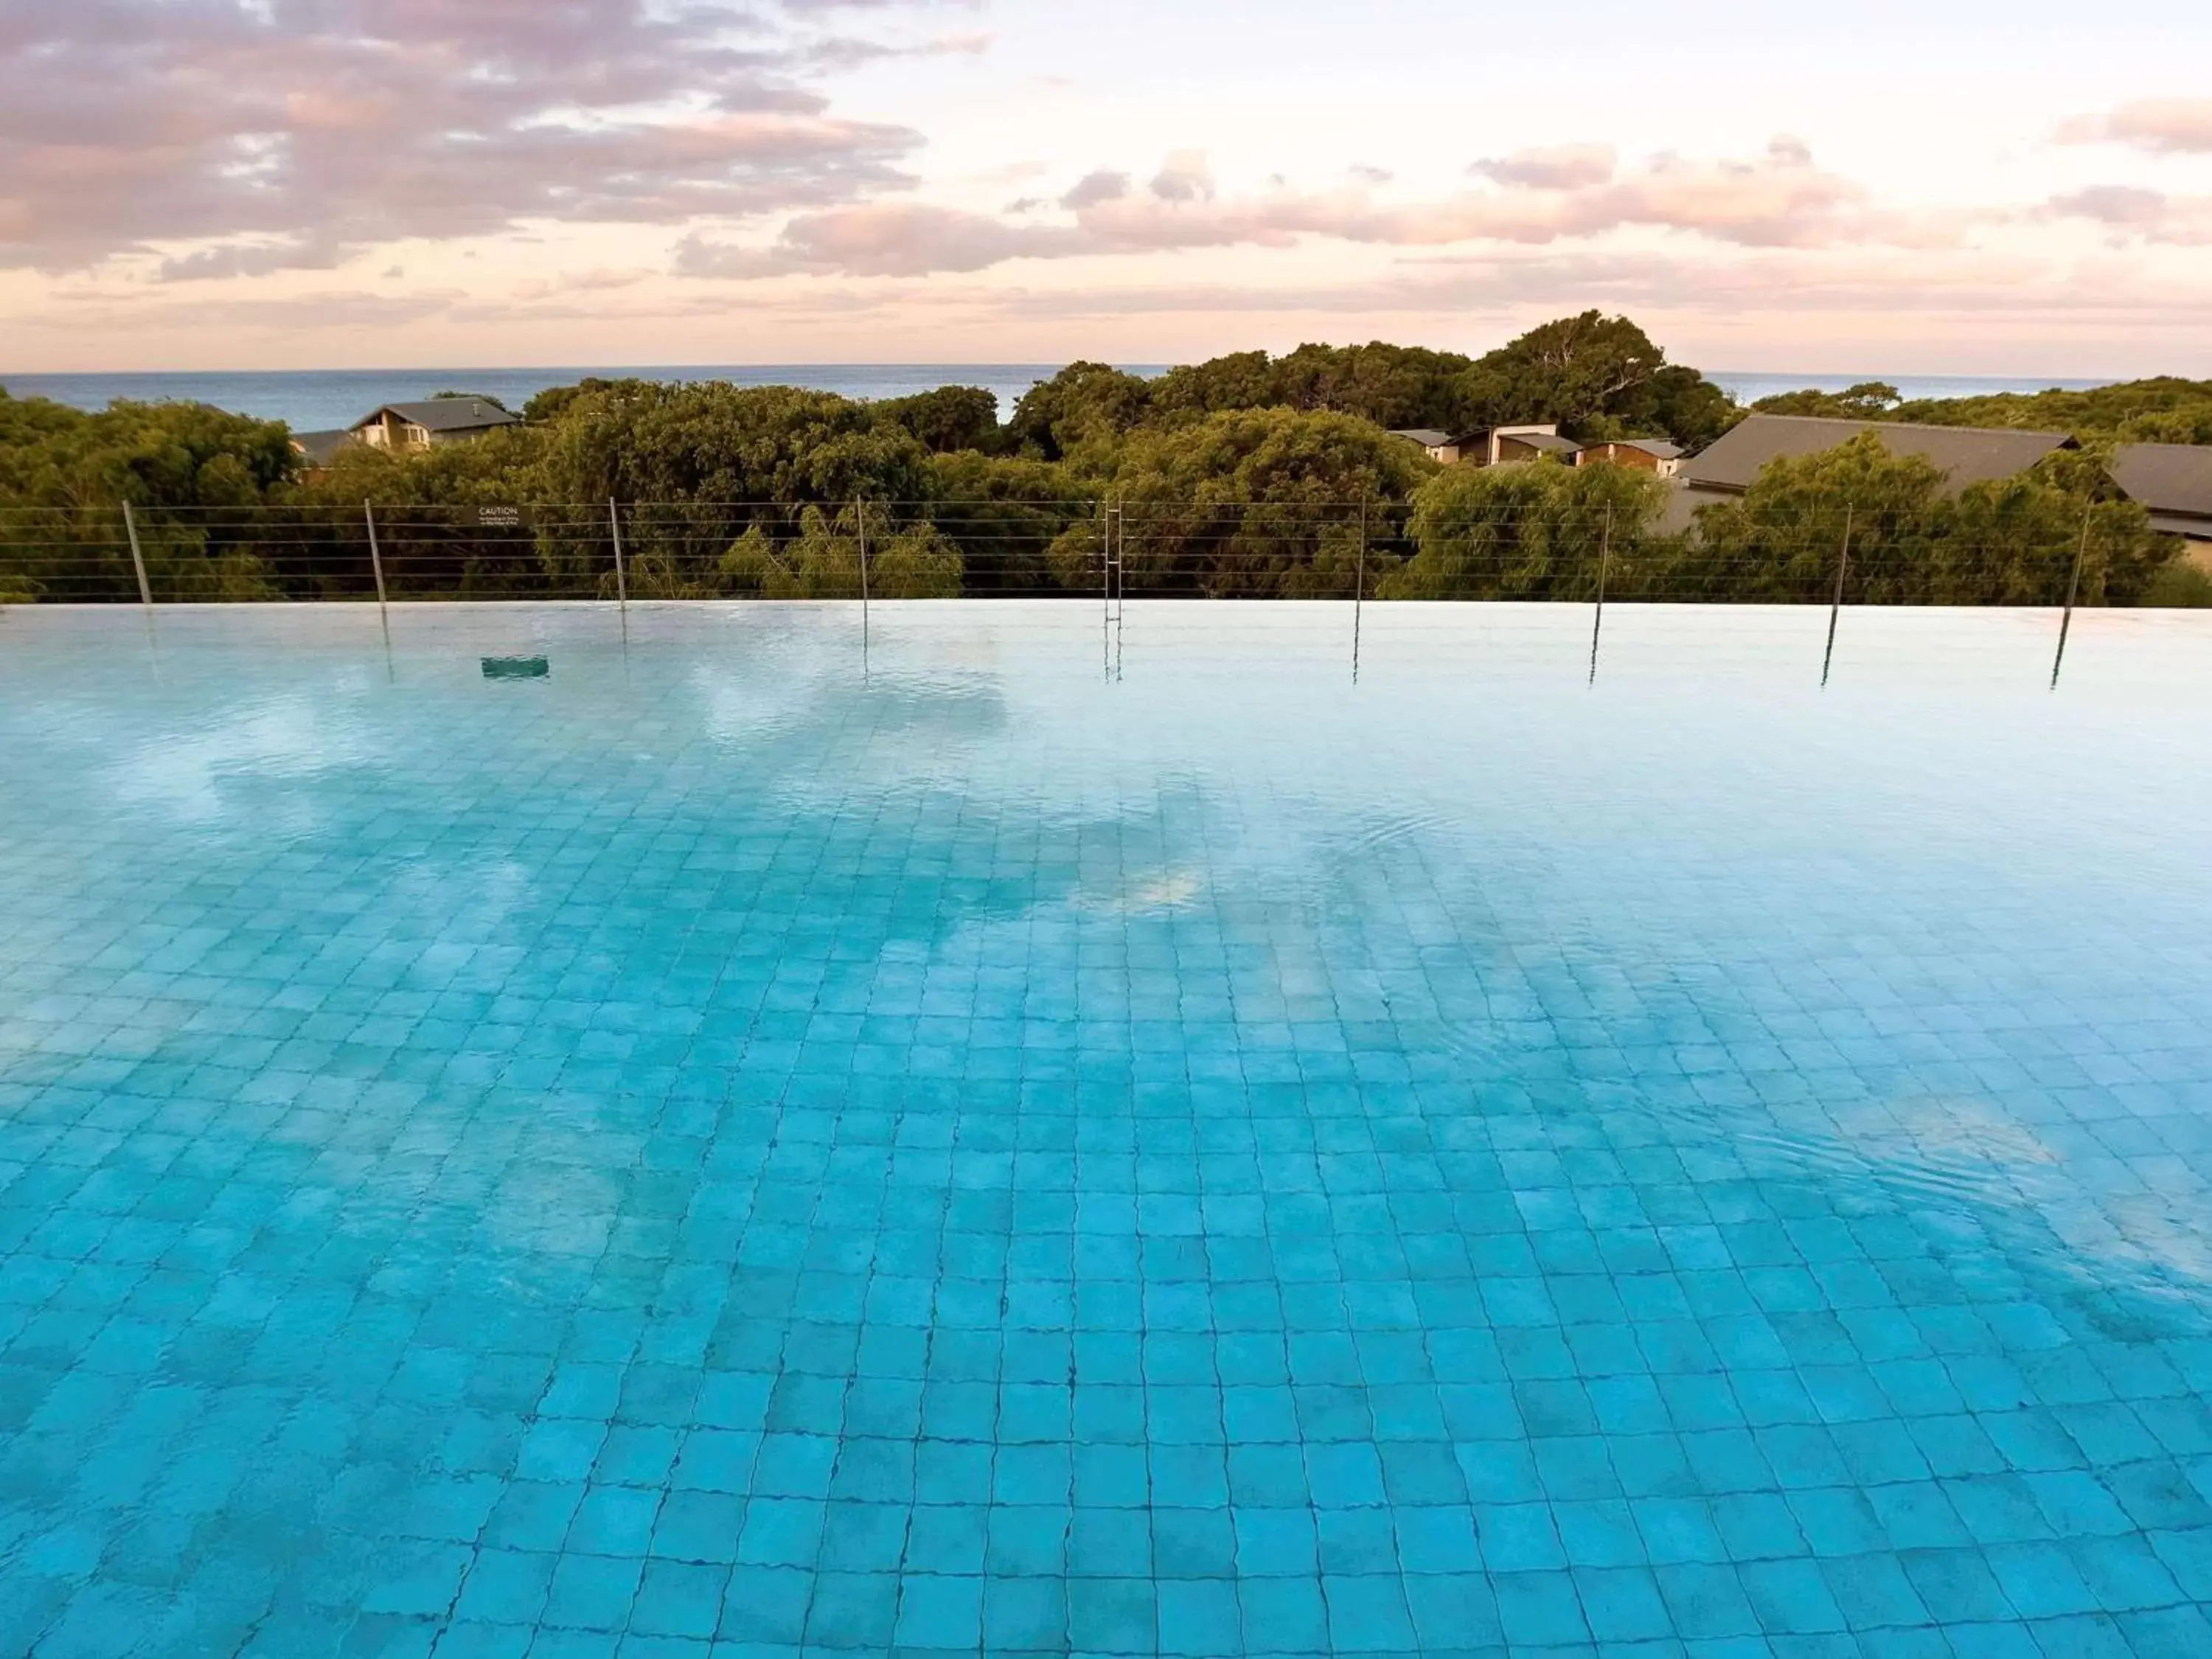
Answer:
(399, 426)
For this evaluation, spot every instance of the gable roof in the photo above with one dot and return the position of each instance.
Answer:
(1964, 454)
(1550, 442)
(2170, 479)
(320, 446)
(444, 414)
(1427, 436)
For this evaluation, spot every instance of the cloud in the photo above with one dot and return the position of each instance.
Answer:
(2172, 126)
(323, 128)
(1096, 187)
(1726, 284)
(1184, 179)
(253, 259)
(582, 282)
(880, 240)
(2129, 210)
(1370, 175)
(1778, 199)
(1566, 167)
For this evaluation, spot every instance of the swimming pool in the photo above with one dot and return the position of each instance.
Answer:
(996, 1137)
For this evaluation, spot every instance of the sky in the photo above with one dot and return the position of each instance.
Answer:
(2018, 187)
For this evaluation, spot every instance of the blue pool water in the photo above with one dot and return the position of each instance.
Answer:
(759, 1143)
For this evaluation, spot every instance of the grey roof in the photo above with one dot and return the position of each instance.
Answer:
(1966, 454)
(1427, 436)
(320, 446)
(447, 414)
(2167, 478)
(1659, 447)
(1550, 442)
(2196, 529)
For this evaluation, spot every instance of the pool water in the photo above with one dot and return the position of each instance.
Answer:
(992, 1137)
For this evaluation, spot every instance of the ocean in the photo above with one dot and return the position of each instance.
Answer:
(311, 400)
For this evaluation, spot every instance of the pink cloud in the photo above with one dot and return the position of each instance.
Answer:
(320, 129)
(1564, 167)
(2175, 127)
(2130, 210)
(1780, 198)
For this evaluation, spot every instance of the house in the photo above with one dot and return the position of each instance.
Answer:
(1441, 446)
(1493, 446)
(2174, 481)
(434, 421)
(1501, 445)
(319, 448)
(1964, 454)
(1647, 454)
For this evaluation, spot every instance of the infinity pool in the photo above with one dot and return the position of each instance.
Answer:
(999, 1137)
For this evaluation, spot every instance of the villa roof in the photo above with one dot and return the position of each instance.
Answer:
(1427, 436)
(2172, 480)
(1964, 454)
(320, 446)
(444, 414)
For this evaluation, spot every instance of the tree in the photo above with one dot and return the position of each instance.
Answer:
(1004, 513)
(1084, 403)
(66, 475)
(1572, 371)
(1685, 405)
(947, 420)
(1783, 539)
(1248, 503)
(774, 447)
(1869, 400)
(1537, 531)
(822, 561)
(1394, 386)
(2005, 541)
(2164, 409)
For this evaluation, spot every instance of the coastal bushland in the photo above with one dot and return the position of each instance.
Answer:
(1246, 476)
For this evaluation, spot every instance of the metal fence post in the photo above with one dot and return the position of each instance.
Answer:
(621, 583)
(2073, 591)
(375, 554)
(138, 558)
(1836, 604)
(861, 535)
(1604, 563)
(1358, 587)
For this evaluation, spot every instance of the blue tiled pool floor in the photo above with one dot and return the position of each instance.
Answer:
(706, 1154)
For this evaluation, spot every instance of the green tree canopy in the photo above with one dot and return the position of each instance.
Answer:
(1869, 400)
(1912, 541)
(1394, 386)
(946, 420)
(1572, 370)
(1253, 503)
(1084, 403)
(1538, 531)
(713, 442)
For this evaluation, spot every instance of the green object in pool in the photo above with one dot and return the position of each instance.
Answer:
(515, 668)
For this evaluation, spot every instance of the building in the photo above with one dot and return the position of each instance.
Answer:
(318, 448)
(1493, 446)
(1648, 454)
(1440, 446)
(1501, 446)
(2174, 481)
(434, 421)
(1964, 454)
